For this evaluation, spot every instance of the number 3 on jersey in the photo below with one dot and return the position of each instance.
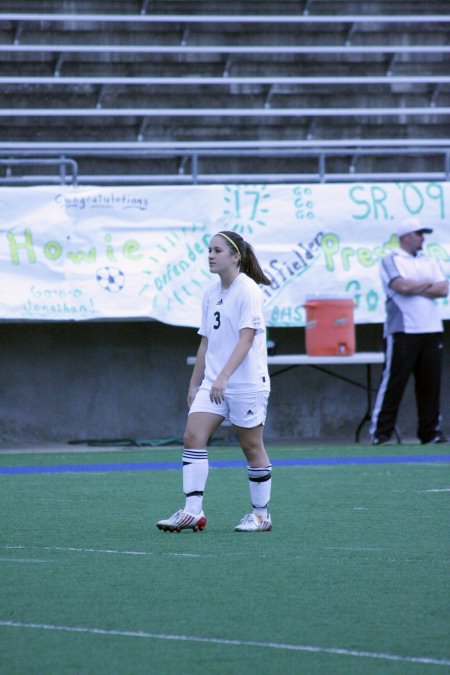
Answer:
(217, 318)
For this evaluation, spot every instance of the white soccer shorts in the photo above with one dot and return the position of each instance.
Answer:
(243, 409)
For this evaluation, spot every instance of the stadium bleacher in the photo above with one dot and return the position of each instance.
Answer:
(157, 92)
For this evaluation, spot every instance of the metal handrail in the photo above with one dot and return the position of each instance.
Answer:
(227, 179)
(348, 144)
(62, 163)
(195, 176)
(224, 49)
(225, 80)
(226, 18)
(223, 112)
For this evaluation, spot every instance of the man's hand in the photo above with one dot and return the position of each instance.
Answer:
(439, 289)
(410, 286)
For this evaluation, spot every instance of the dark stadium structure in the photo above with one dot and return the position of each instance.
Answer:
(207, 92)
(176, 93)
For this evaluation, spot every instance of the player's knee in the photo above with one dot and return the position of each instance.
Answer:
(254, 454)
(192, 438)
(189, 439)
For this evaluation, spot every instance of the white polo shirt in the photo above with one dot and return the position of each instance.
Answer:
(410, 313)
(224, 313)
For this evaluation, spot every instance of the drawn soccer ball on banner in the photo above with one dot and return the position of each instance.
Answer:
(111, 279)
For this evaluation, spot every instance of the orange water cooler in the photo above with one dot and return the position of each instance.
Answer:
(330, 325)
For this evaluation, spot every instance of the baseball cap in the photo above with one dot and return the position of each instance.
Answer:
(412, 225)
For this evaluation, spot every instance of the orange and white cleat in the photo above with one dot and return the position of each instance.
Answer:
(182, 520)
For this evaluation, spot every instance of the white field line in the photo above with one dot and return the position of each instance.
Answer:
(73, 549)
(25, 560)
(232, 643)
(171, 554)
(110, 551)
(364, 549)
(437, 490)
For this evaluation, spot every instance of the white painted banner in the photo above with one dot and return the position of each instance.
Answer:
(82, 253)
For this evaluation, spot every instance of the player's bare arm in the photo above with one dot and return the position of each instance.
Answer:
(199, 370)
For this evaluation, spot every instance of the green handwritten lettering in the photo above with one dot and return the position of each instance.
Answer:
(355, 198)
(391, 244)
(52, 250)
(79, 257)
(132, 250)
(365, 257)
(346, 254)
(438, 252)
(27, 245)
(354, 286)
(379, 196)
(109, 249)
(330, 246)
(435, 191)
(373, 204)
(372, 300)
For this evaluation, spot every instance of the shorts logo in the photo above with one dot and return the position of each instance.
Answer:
(249, 412)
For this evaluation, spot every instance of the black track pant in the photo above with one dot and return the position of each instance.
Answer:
(418, 354)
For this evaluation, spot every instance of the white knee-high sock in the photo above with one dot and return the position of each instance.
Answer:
(260, 483)
(195, 474)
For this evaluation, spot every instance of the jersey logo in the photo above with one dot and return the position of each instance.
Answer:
(220, 302)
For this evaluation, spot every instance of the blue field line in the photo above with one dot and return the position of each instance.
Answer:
(222, 464)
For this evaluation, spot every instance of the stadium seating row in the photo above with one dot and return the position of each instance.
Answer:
(201, 97)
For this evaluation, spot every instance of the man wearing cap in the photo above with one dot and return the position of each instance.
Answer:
(413, 336)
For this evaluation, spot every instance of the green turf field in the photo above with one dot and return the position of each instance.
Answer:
(352, 579)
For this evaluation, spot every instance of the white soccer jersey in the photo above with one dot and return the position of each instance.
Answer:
(410, 313)
(224, 313)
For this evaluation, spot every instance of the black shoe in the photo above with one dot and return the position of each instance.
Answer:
(439, 438)
(380, 440)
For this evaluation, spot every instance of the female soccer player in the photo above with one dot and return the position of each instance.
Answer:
(230, 381)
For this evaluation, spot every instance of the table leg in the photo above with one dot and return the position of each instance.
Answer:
(367, 416)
